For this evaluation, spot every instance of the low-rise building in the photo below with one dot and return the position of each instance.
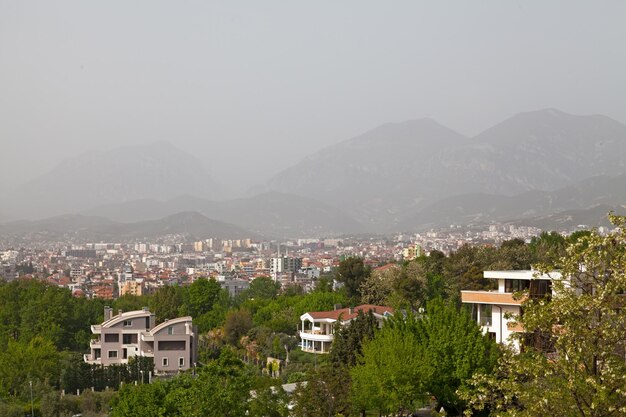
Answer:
(172, 344)
(318, 327)
(496, 311)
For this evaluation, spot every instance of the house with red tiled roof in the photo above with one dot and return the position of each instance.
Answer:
(318, 327)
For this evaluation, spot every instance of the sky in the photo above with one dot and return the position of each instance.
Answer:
(251, 87)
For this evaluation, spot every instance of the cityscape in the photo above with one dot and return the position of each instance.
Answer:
(110, 270)
(312, 209)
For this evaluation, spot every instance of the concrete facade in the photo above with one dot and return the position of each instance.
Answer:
(172, 344)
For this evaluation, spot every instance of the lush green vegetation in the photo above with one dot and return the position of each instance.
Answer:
(430, 353)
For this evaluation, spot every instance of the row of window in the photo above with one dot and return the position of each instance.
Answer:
(165, 361)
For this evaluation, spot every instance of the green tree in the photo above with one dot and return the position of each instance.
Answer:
(200, 297)
(547, 248)
(166, 303)
(21, 362)
(348, 340)
(431, 354)
(378, 286)
(390, 376)
(263, 288)
(141, 400)
(130, 302)
(326, 393)
(352, 272)
(238, 323)
(582, 374)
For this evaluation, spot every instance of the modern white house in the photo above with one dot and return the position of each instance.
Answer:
(172, 345)
(318, 327)
(495, 311)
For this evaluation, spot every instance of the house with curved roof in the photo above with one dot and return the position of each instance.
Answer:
(172, 344)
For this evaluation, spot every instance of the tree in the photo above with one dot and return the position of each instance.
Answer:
(583, 372)
(547, 248)
(417, 356)
(389, 377)
(238, 323)
(326, 393)
(352, 272)
(378, 286)
(167, 302)
(223, 388)
(348, 340)
(200, 297)
(410, 286)
(263, 288)
(36, 360)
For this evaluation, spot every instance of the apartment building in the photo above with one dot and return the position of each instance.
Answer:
(318, 327)
(495, 311)
(172, 344)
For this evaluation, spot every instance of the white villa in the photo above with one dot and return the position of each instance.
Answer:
(490, 308)
(317, 331)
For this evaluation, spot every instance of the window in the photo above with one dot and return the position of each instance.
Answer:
(128, 323)
(112, 353)
(165, 362)
(515, 285)
(170, 330)
(485, 314)
(111, 338)
(181, 362)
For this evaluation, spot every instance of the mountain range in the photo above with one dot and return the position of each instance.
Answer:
(75, 227)
(269, 214)
(385, 177)
(397, 177)
(122, 174)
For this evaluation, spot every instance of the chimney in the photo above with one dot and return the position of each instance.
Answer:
(337, 307)
(350, 310)
(119, 312)
(108, 313)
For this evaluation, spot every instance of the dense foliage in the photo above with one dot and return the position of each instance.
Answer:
(225, 387)
(573, 360)
(428, 355)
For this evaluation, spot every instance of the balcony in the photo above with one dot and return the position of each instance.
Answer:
(88, 359)
(489, 297)
(95, 343)
(316, 335)
(147, 337)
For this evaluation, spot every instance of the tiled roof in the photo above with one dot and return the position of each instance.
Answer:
(385, 267)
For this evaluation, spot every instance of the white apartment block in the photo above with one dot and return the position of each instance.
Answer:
(495, 311)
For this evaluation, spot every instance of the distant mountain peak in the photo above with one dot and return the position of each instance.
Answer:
(131, 172)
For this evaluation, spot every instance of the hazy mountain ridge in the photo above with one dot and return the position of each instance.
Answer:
(270, 214)
(76, 227)
(398, 176)
(534, 151)
(122, 174)
(481, 207)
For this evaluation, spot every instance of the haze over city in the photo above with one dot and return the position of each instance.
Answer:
(300, 209)
(251, 88)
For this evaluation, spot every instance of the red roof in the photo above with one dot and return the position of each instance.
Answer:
(385, 267)
(345, 312)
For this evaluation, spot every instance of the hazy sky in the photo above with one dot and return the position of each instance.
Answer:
(251, 87)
